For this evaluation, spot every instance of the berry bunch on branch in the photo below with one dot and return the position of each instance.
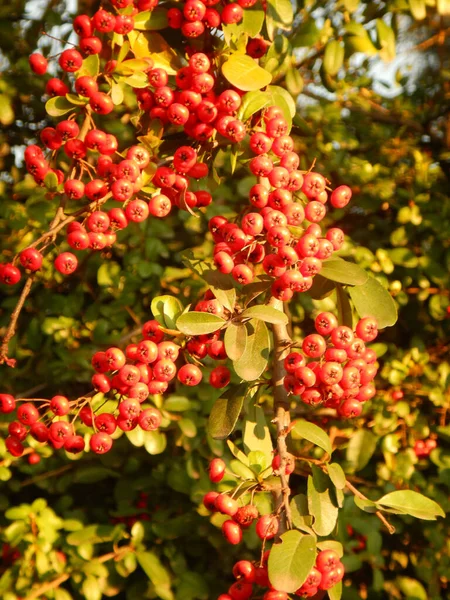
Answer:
(198, 112)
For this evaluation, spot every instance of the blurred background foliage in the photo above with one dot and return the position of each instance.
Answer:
(372, 82)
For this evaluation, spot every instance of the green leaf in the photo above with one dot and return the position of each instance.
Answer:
(256, 436)
(360, 449)
(253, 21)
(166, 310)
(252, 103)
(90, 66)
(411, 588)
(343, 271)
(235, 340)
(413, 504)
(291, 560)
(254, 359)
(77, 100)
(280, 11)
(344, 308)
(91, 589)
(243, 72)
(155, 442)
(335, 593)
(266, 313)
(321, 502)
(226, 411)
(51, 181)
(91, 534)
(108, 274)
(333, 58)
(17, 513)
(386, 39)
(337, 475)
(294, 81)
(321, 287)
(117, 93)
(279, 95)
(365, 504)
(300, 513)
(93, 473)
(151, 20)
(331, 545)
(372, 300)
(307, 34)
(137, 80)
(188, 427)
(153, 568)
(222, 287)
(242, 470)
(237, 453)
(199, 323)
(313, 433)
(177, 404)
(357, 39)
(58, 106)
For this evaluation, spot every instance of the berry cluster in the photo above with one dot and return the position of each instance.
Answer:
(334, 367)
(326, 573)
(197, 15)
(193, 103)
(423, 448)
(274, 233)
(129, 385)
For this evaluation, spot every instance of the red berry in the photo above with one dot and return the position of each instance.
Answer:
(100, 443)
(267, 527)
(231, 532)
(189, 375)
(38, 63)
(7, 403)
(216, 470)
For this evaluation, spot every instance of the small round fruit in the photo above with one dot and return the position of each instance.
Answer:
(216, 470)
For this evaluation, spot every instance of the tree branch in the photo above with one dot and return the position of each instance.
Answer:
(282, 417)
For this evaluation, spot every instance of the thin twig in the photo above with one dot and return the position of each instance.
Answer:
(13, 323)
(378, 513)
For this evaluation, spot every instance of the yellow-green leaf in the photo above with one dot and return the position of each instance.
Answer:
(243, 72)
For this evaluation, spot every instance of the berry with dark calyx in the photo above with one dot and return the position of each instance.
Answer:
(27, 413)
(150, 419)
(100, 443)
(59, 405)
(66, 263)
(189, 375)
(9, 274)
(327, 560)
(209, 501)
(241, 590)
(70, 60)
(244, 570)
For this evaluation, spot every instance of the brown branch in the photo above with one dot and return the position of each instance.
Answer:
(13, 323)
(378, 513)
(46, 587)
(282, 417)
(55, 583)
